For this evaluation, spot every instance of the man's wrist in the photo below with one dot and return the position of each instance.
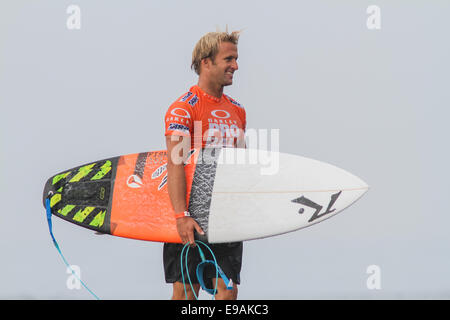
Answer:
(182, 214)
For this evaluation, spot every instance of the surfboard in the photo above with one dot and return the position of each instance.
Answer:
(234, 194)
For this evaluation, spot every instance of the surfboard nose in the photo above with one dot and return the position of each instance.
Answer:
(358, 182)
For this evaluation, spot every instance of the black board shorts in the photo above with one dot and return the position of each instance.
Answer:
(228, 256)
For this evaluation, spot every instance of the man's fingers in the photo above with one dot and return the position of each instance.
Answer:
(191, 241)
(186, 228)
(199, 230)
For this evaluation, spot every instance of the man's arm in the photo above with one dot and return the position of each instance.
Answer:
(177, 150)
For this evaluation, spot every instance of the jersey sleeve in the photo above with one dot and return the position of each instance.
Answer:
(178, 119)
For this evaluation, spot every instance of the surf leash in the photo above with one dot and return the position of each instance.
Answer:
(49, 220)
(200, 269)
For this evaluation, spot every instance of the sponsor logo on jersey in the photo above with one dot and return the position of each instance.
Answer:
(222, 130)
(178, 127)
(221, 114)
(180, 112)
(193, 101)
(234, 102)
(186, 96)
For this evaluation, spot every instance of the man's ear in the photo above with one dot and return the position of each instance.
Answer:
(205, 63)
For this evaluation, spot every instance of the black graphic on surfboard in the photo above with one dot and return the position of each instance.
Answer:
(309, 203)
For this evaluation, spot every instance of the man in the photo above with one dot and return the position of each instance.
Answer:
(222, 122)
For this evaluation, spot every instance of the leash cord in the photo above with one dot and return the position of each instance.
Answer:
(187, 269)
(49, 220)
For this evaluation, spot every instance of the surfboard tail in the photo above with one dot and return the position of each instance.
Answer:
(48, 191)
(82, 195)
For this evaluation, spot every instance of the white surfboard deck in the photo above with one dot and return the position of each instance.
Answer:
(252, 199)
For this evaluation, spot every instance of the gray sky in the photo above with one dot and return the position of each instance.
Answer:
(369, 101)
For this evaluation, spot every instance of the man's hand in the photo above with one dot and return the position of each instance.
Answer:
(185, 228)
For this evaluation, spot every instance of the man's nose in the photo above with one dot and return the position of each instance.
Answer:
(235, 65)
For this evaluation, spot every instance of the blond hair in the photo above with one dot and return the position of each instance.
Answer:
(208, 46)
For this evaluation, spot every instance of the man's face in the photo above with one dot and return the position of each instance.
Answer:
(224, 65)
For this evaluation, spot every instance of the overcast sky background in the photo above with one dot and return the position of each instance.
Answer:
(373, 102)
